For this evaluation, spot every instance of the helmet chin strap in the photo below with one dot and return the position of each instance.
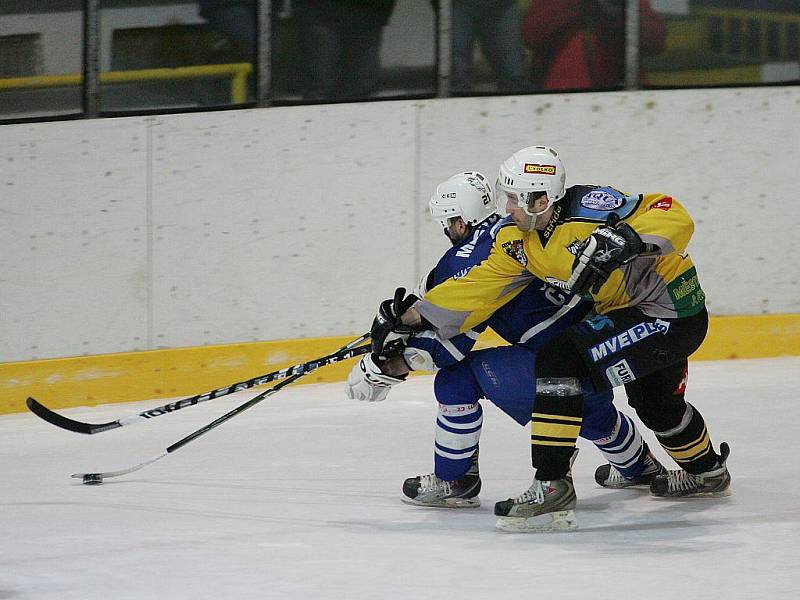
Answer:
(537, 214)
(531, 223)
(541, 212)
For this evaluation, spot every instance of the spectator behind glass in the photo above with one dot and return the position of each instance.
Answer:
(234, 19)
(496, 24)
(341, 42)
(580, 44)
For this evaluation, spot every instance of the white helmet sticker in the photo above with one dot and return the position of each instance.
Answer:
(543, 169)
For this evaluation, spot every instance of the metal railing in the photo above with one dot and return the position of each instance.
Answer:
(741, 34)
(237, 72)
(769, 36)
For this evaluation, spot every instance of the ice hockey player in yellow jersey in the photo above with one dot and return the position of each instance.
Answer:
(627, 253)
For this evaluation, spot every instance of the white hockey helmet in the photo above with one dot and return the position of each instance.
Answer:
(468, 195)
(530, 171)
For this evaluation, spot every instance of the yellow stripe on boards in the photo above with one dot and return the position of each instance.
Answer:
(157, 374)
(743, 336)
(738, 336)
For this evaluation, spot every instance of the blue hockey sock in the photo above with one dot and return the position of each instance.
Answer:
(624, 447)
(458, 429)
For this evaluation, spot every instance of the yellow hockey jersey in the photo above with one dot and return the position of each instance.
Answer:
(662, 284)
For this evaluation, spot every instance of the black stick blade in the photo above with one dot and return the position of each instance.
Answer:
(52, 417)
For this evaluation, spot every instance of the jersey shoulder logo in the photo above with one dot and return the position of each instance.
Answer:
(516, 250)
(601, 199)
(664, 204)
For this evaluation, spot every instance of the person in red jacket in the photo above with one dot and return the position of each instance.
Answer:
(580, 44)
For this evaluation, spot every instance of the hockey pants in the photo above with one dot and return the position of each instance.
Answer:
(625, 347)
(505, 376)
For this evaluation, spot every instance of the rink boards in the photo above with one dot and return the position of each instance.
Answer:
(129, 376)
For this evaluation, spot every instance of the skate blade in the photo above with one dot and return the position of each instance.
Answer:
(548, 523)
(701, 496)
(627, 486)
(448, 503)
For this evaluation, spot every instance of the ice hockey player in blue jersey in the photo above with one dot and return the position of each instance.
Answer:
(464, 205)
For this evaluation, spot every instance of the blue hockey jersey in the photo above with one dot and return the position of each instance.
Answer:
(538, 312)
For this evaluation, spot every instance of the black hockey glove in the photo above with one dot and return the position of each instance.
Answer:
(389, 319)
(609, 247)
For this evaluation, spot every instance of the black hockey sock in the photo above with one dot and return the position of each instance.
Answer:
(689, 443)
(555, 425)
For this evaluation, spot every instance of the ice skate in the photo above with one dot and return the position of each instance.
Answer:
(609, 477)
(429, 490)
(681, 484)
(545, 506)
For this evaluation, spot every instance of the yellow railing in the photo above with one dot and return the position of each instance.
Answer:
(238, 73)
(740, 13)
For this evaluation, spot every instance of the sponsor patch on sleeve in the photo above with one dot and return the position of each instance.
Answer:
(541, 169)
(664, 204)
(601, 200)
(516, 250)
(686, 294)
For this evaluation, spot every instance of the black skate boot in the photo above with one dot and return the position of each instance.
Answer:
(429, 490)
(609, 477)
(681, 484)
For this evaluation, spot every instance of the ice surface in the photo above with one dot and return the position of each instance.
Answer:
(299, 498)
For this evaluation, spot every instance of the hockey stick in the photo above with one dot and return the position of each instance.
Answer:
(97, 478)
(52, 417)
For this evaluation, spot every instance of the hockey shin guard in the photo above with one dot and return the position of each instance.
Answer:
(555, 425)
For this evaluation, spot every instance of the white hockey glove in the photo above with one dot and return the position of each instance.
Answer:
(367, 382)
